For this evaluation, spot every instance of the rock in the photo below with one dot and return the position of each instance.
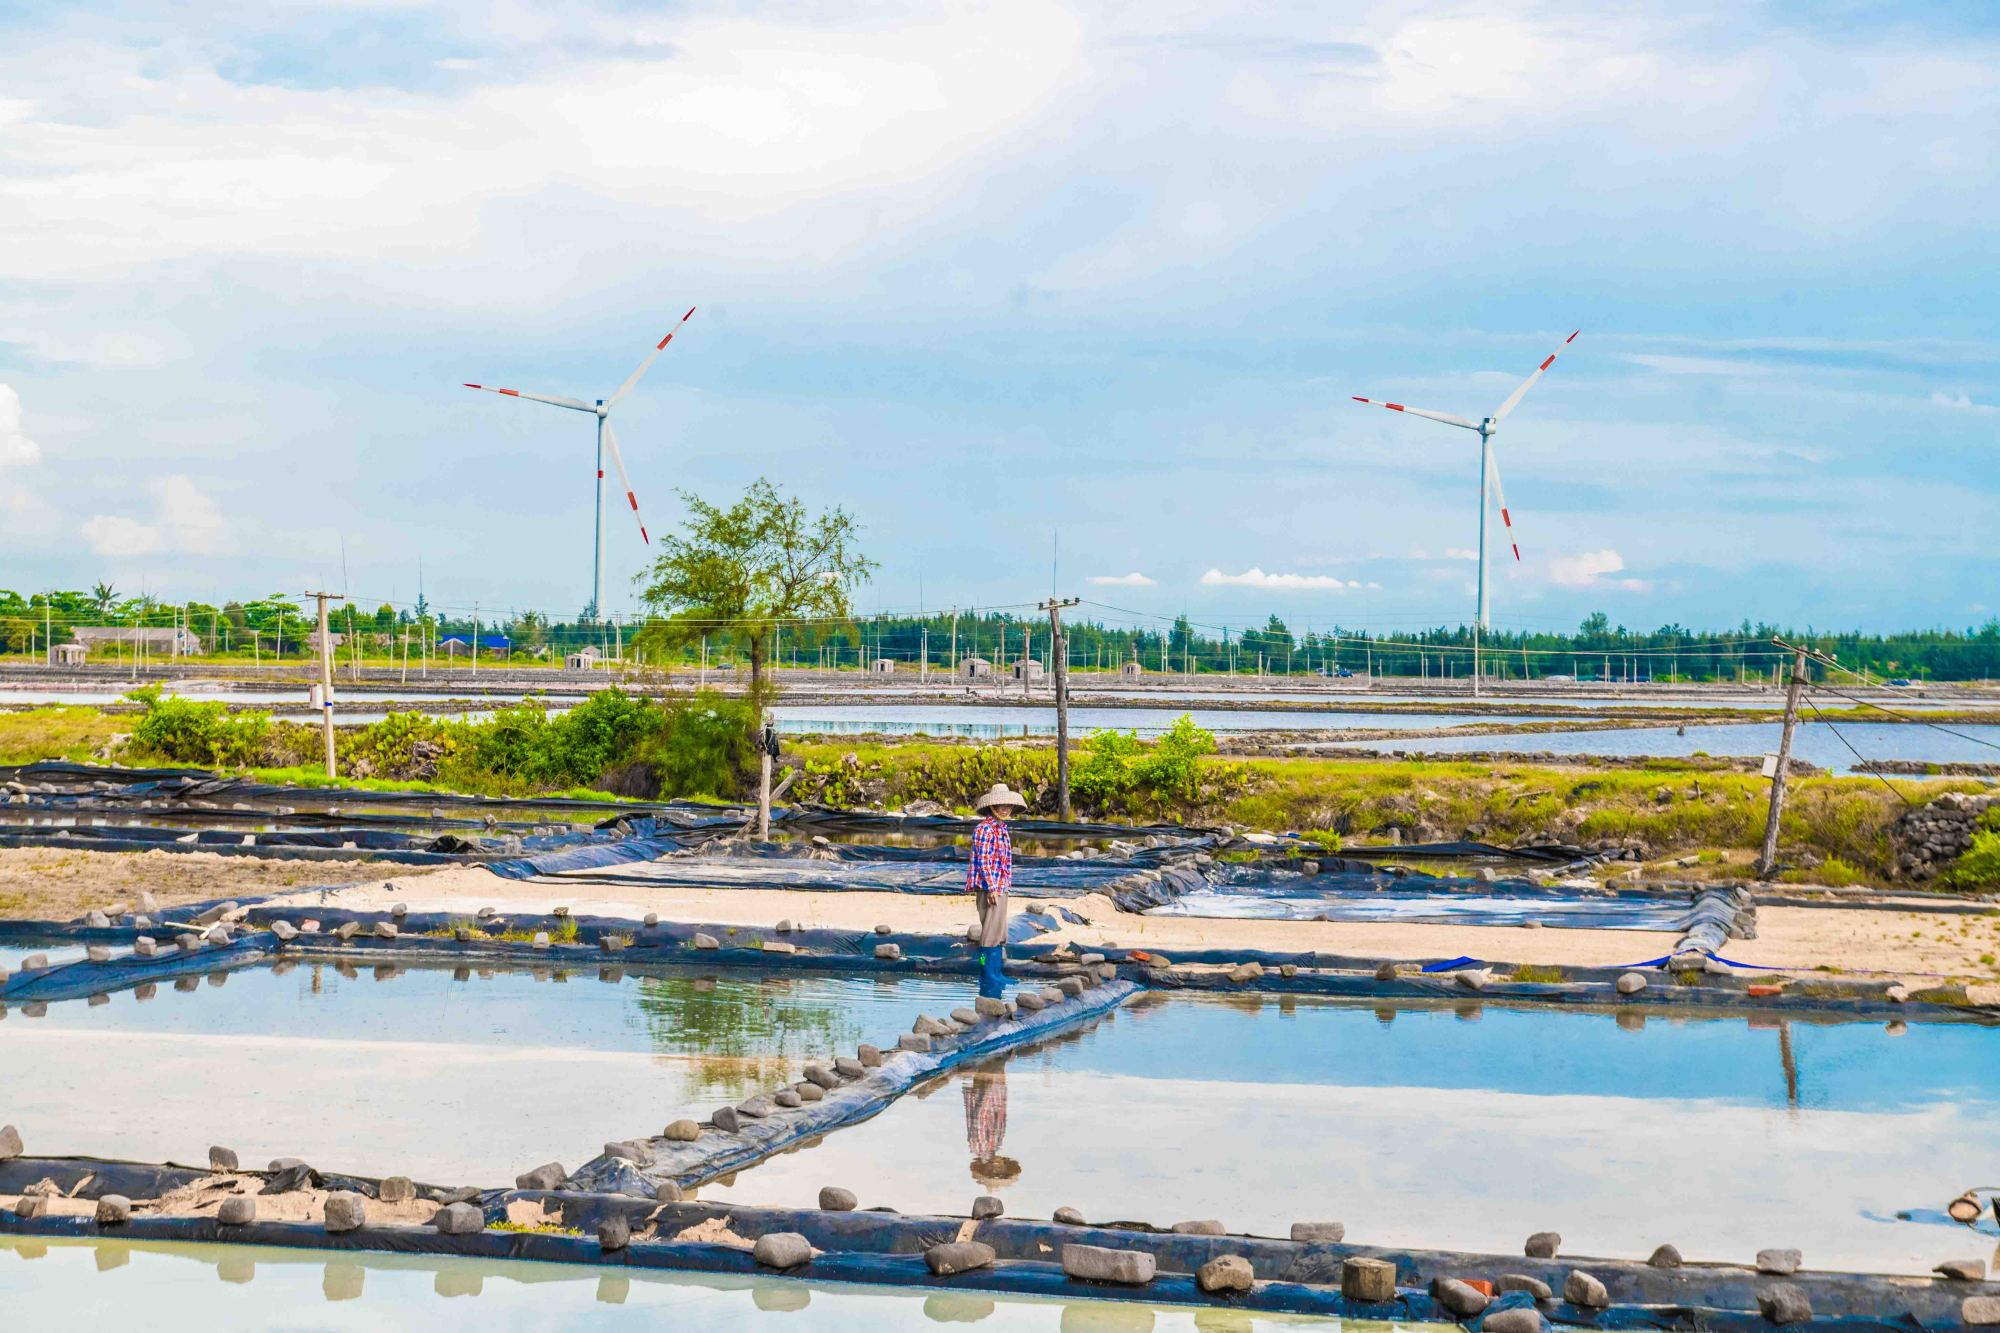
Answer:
(782, 946)
(822, 1076)
(113, 1210)
(285, 931)
(626, 1150)
(1980, 1310)
(1783, 1303)
(1385, 972)
(1226, 1272)
(787, 1099)
(31, 1205)
(1369, 1280)
(1462, 1299)
(1534, 1286)
(395, 1189)
(1028, 1001)
(833, 1199)
(926, 1026)
(1095, 1263)
(755, 1108)
(541, 940)
(1630, 983)
(986, 1206)
(911, 1041)
(148, 903)
(35, 962)
(882, 930)
(1327, 1233)
(221, 1159)
(1962, 1270)
(1069, 1217)
(1580, 1288)
(727, 1120)
(459, 1219)
(1070, 986)
(385, 930)
(1474, 978)
(1200, 1227)
(784, 926)
(1246, 972)
(650, 920)
(1543, 1245)
(345, 1211)
(145, 947)
(237, 1210)
(988, 1006)
(1897, 993)
(703, 941)
(682, 1131)
(1783, 1263)
(848, 1067)
(967, 1018)
(959, 1256)
(667, 1192)
(1519, 1319)
(343, 932)
(869, 1056)
(548, 1176)
(782, 1249)
(1665, 1257)
(614, 1233)
(889, 952)
(1091, 959)
(1288, 970)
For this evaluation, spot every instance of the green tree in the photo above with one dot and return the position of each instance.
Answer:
(102, 595)
(747, 569)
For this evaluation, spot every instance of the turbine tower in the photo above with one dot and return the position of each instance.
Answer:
(1489, 479)
(607, 441)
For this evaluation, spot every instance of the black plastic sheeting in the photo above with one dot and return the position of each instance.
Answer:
(717, 1152)
(1043, 1278)
(83, 978)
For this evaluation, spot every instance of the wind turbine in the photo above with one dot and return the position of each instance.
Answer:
(607, 439)
(1489, 479)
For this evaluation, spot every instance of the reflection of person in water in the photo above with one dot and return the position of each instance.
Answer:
(986, 1126)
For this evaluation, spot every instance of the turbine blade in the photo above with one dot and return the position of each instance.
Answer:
(626, 387)
(1446, 417)
(618, 461)
(1500, 498)
(575, 404)
(1529, 382)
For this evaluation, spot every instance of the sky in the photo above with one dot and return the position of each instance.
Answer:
(1046, 295)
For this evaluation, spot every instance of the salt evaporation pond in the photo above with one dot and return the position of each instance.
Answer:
(421, 1074)
(169, 1286)
(1367, 898)
(1814, 742)
(993, 721)
(1463, 1126)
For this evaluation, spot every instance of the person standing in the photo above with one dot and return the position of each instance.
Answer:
(990, 874)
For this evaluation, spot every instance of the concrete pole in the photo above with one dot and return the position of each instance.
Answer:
(1059, 649)
(326, 680)
(1767, 862)
(764, 747)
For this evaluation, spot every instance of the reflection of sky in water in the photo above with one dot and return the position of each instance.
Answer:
(76, 1284)
(999, 720)
(1359, 898)
(1438, 1128)
(454, 1081)
(1814, 742)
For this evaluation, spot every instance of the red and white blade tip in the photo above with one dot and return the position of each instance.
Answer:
(511, 393)
(670, 337)
(1376, 402)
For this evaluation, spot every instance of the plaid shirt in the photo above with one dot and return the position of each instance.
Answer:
(985, 1113)
(992, 866)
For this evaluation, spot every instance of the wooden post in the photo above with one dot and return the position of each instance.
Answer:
(326, 678)
(1059, 650)
(1768, 861)
(765, 745)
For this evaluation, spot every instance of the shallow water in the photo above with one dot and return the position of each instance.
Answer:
(113, 1283)
(419, 1074)
(989, 720)
(1814, 742)
(1465, 1126)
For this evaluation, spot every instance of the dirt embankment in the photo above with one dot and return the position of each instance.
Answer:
(39, 884)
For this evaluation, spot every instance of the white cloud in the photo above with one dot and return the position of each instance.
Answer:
(1133, 580)
(1588, 569)
(185, 521)
(1943, 399)
(1460, 553)
(1257, 578)
(17, 454)
(1696, 365)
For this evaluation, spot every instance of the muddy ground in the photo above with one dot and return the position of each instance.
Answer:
(43, 884)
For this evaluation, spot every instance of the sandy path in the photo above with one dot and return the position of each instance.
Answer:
(1807, 939)
(43, 884)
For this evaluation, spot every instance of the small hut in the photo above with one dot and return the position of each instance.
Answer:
(1131, 668)
(882, 666)
(71, 654)
(583, 659)
(975, 668)
(1027, 668)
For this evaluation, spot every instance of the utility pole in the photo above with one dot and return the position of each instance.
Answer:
(326, 677)
(954, 640)
(1059, 650)
(924, 667)
(1768, 862)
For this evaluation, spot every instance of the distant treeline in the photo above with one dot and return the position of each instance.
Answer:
(1595, 650)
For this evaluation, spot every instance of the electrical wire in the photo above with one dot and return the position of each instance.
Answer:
(1860, 764)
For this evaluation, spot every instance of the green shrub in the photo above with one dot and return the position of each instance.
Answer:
(192, 732)
(705, 746)
(1979, 867)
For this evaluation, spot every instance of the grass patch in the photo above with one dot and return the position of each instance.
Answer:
(75, 733)
(534, 1228)
(1539, 972)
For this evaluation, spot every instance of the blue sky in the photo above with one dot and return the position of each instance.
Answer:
(983, 274)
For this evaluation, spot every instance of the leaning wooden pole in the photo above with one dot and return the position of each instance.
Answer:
(1767, 863)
